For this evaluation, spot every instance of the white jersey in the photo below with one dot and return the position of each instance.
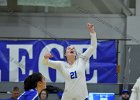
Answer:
(135, 95)
(74, 75)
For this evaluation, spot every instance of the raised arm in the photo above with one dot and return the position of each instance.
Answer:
(92, 48)
(51, 63)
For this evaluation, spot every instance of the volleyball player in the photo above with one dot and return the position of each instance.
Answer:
(74, 69)
(33, 85)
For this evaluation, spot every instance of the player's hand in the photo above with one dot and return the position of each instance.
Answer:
(90, 27)
(48, 55)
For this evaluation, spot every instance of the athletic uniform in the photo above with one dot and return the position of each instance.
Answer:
(74, 75)
(29, 95)
(135, 95)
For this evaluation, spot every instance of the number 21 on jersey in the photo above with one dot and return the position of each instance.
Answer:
(73, 75)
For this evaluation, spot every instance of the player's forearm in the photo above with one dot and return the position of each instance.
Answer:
(51, 63)
(93, 39)
(92, 48)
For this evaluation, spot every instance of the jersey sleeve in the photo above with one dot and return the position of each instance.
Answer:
(52, 64)
(92, 48)
(29, 95)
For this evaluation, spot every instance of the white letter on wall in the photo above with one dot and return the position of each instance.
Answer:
(15, 64)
